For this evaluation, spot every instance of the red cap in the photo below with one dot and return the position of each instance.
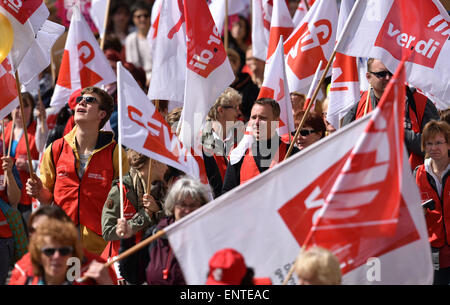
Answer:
(72, 99)
(226, 267)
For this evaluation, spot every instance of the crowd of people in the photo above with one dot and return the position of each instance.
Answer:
(67, 205)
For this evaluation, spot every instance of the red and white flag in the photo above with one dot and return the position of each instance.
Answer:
(275, 87)
(217, 8)
(261, 17)
(169, 57)
(38, 56)
(358, 207)
(301, 11)
(281, 26)
(271, 241)
(312, 87)
(387, 29)
(26, 18)
(208, 71)
(311, 42)
(9, 98)
(143, 129)
(154, 21)
(345, 88)
(83, 63)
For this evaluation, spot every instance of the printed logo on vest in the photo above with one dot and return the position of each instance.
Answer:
(96, 176)
(61, 171)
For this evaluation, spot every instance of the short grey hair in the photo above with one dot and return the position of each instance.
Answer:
(187, 187)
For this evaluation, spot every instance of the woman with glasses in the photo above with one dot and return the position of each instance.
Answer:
(433, 180)
(312, 131)
(36, 130)
(56, 252)
(156, 264)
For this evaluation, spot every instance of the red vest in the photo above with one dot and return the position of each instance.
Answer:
(21, 150)
(82, 199)
(416, 120)
(438, 220)
(5, 230)
(249, 169)
(221, 165)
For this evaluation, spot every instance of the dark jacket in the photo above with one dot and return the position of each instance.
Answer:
(149, 264)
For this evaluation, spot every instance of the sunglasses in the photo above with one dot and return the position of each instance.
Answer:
(63, 251)
(381, 74)
(230, 107)
(304, 132)
(88, 99)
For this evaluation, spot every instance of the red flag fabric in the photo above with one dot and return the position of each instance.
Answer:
(208, 71)
(26, 18)
(358, 207)
(311, 42)
(391, 29)
(9, 98)
(280, 26)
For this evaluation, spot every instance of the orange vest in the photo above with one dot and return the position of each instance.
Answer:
(82, 199)
(416, 120)
(249, 169)
(438, 220)
(21, 150)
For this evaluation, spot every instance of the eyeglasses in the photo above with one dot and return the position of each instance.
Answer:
(63, 251)
(431, 144)
(381, 74)
(88, 99)
(142, 15)
(230, 107)
(183, 205)
(306, 132)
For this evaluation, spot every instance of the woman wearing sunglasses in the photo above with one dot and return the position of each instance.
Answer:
(51, 246)
(433, 180)
(312, 131)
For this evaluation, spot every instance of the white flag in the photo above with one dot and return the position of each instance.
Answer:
(208, 71)
(390, 29)
(261, 16)
(38, 56)
(271, 239)
(98, 14)
(83, 63)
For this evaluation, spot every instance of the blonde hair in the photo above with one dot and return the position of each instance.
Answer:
(225, 99)
(61, 232)
(320, 265)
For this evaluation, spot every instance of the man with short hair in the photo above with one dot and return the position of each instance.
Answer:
(78, 169)
(418, 109)
(265, 152)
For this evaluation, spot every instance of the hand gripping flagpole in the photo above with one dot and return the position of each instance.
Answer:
(316, 91)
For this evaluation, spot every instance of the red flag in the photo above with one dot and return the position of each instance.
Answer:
(208, 71)
(358, 206)
(8, 89)
(26, 18)
(281, 25)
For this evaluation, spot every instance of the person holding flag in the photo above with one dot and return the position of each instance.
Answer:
(266, 150)
(77, 170)
(419, 110)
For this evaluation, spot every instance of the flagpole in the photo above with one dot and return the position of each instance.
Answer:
(119, 129)
(24, 125)
(105, 24)
(316, 91)
(4, 148)
(132, 250)
(149, 182)
(366, 107)
(11, 135)
(225, 37)
(313, 99)
(41, 114)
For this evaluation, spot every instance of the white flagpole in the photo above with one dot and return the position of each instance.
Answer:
(119, 130)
